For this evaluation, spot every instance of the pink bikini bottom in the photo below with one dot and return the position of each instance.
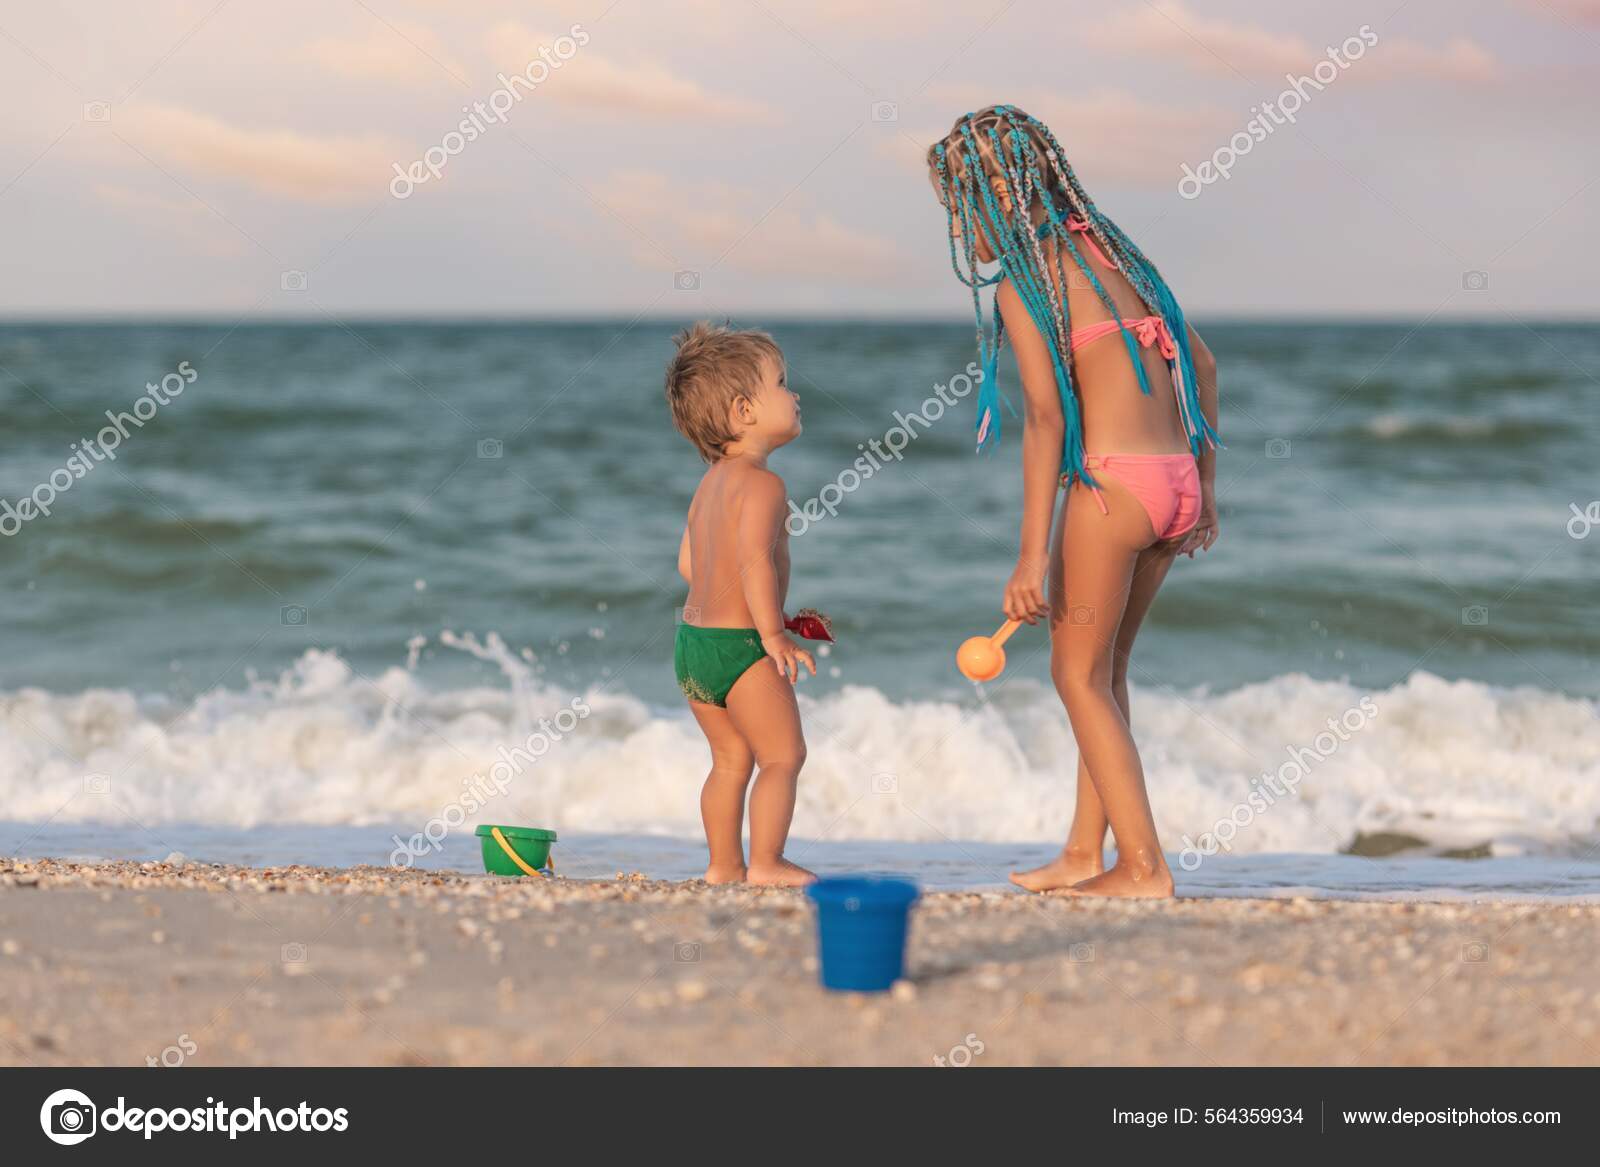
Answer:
(1168, 485)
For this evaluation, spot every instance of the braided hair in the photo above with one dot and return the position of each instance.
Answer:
(1003, 178)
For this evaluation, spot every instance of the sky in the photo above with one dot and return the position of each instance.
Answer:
(255, 158)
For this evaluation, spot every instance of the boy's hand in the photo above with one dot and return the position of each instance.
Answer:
(788, 656)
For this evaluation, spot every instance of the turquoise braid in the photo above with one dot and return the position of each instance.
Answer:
(1040, 280)
(1146, 281)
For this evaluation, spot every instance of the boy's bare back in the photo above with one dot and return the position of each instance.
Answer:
(719, 537)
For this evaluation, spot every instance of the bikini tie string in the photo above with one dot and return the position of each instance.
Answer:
(1153, 330)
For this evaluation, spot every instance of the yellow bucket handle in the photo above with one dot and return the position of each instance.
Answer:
(515, 858)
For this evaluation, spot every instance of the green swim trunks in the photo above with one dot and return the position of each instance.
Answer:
(709, 660)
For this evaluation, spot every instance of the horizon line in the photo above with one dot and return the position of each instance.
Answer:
(1502, 319)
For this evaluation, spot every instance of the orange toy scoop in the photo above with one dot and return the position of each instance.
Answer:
(981, 658)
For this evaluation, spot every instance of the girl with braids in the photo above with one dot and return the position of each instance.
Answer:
(1120, 408)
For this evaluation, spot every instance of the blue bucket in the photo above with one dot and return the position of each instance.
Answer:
(861, 931)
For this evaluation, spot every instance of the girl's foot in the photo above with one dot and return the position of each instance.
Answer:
(779, 874)
(724, 874)
(1066, 869)
(1128, 881)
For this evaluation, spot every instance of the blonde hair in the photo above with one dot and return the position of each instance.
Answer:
(714, 366)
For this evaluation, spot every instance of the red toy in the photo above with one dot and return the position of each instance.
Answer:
(810, 624)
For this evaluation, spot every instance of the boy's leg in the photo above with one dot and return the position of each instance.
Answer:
(764, 711)
(722, 797)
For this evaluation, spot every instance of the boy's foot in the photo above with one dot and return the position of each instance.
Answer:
(779, 874)
(1128, 882)
(1064, 870)
(728, 874)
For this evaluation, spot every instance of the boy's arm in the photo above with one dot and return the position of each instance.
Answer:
(760, 534)
(685, 564)
(780, 556)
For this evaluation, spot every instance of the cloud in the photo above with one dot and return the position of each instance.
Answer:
(592, 82)
(826, 19)
(402, 52)
(714, 222)
(1587, 11)
(1172, 31)
(1109, 136)
(280, 162)
(181, 217)
(1460, 60)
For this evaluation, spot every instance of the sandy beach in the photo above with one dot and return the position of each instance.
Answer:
(128, 963)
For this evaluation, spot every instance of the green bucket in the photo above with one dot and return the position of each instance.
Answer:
(528, 844)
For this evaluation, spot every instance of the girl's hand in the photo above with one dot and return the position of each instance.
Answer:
(1024, 598)
(1204, 533)
(788, 656)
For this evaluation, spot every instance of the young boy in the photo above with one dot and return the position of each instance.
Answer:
(729, 396)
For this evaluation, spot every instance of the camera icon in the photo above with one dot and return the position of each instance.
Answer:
(885, 111)
(491, 448)
(1081, 614)
(1475, 281)
(686, 952)
(1081, 954)
(1475, 615)
(885, 784)
(292, 281)
(71, 1121)
(97, 111)
(689, 614)
(72, 1118)
(1278, 448)
(292, 953)
(1475, 953)
(97, 784)
(68, 1117)
(686, 281)
(292, 616)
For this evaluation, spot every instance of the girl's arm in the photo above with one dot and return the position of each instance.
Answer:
(685, 564)
(1205, 376)
(1206, 530)
(760, 538)
(1043, 433)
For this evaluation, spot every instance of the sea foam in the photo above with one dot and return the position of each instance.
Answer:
(1294, 763)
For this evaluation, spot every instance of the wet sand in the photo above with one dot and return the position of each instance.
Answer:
(124, 963)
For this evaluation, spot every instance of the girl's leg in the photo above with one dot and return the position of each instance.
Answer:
(763, 709)
(1101, 557)
(722, 797)
(1083, 855)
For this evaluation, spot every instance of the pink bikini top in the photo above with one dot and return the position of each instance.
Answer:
(1147, 330)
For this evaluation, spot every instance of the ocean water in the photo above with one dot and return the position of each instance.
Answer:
(321, 594)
